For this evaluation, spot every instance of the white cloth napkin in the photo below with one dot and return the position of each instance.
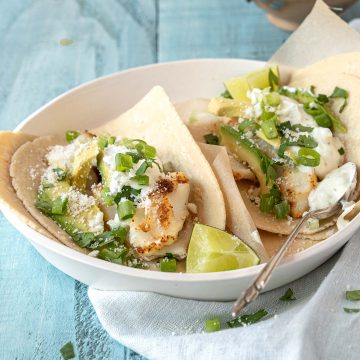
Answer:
(315, 326)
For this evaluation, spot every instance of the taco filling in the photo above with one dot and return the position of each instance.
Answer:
(282, 141)
(113, 195)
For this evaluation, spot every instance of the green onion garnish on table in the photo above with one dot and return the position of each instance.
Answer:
(351, 310)
(212, 325)
(353, 295)
(247, 319)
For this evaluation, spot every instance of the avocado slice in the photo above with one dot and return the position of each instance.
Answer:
(104, 171)
(227, 107)
(82, 165)
(245, 151)
(72, 224)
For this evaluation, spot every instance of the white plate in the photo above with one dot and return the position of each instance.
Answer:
(101, 100)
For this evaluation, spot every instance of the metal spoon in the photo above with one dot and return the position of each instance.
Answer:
(262, 279)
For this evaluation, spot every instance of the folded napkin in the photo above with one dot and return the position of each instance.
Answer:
(314, 326)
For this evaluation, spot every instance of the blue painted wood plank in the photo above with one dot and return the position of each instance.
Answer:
(42, 308)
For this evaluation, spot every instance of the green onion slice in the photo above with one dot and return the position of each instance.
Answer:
(353, 295)
(268, 126)
(141, 179)
(212, 325)
(126, 210)
(142, 168)
(308, 157)
(168, 265)
(71, 135)
(351, 310)
(123, 162)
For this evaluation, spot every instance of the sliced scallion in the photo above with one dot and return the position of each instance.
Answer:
(71, 135)
(142, 168)
(353, 295)
(268, 126)
(123, 162)
(168, 265)
(126, 210)
(308, 157)
(141, 179)
(212, 325)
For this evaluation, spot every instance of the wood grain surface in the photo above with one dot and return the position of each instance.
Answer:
(41, 308)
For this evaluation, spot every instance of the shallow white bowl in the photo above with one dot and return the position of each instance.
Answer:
(103, 99)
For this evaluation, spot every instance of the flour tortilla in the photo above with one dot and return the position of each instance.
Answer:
(324, 84)
(238, 219)
(155, 120)
(26, 168)
(268, 222)
(346, 63)
(9, 143)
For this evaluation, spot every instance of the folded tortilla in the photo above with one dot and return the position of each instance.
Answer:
(9, 143)
(27, 166)
(155, 120)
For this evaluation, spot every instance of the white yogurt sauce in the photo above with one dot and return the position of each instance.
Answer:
(332, 187)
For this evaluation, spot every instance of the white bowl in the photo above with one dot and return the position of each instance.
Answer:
(103, 99)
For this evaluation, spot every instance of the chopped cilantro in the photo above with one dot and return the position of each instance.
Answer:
(288, 296)
(341, 151)
(67, 351)
(226, 94)
(211, 139)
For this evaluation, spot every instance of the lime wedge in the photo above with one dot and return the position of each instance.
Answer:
(213, 250)
(239, 86)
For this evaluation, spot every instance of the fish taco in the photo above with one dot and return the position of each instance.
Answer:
(128, 192)
(284, 140)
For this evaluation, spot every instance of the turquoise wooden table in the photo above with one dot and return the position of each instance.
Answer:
(41, 308)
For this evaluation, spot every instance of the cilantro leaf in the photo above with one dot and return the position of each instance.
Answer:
(340, 93)
(67, 351)
(288, 296)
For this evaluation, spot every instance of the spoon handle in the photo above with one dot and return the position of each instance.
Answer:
(262, 279)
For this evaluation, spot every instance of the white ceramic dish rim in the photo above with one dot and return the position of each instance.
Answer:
(63, 250)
